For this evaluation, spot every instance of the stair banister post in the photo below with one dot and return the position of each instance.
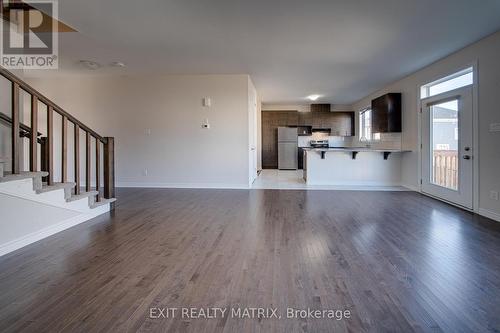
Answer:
(77, 158)
(64, 152)
(98, 168)
(49, 151)
(109, 168)
(88, 165)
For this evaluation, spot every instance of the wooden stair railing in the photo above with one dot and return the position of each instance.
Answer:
(47, 143)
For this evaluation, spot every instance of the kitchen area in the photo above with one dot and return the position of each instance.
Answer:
(319, 146)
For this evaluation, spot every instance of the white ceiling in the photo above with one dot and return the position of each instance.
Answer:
(343, 50)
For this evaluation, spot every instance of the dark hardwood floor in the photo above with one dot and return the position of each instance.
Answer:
(398, 261)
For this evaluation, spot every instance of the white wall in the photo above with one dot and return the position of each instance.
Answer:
(486, 54)
(178, 152)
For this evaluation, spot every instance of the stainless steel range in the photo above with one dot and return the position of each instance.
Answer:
(319, 143)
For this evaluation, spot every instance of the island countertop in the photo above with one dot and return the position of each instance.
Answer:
(357, 149)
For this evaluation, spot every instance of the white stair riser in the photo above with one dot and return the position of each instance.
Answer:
(81, 205)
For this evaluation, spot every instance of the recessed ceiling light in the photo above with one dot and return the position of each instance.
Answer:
(117, 64)
(313, 97)
(89, 64)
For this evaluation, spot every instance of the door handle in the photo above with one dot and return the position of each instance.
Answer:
(467, 148)
(467, 157)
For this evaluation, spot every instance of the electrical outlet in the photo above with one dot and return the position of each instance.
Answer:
(494, 195)
(145, 172)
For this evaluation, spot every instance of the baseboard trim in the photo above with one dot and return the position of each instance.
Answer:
(411, 187)
(355, 184)
(184, 185)
(49, 231)
(489, 214)
(480, 211)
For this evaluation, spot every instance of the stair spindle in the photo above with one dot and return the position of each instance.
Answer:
(77, 159)
(49, 148)
(15, 128)
(64, 152)
(34, 134)
(88, 164)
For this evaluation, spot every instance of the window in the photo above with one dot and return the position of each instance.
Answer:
(457, 80)
(365, 125)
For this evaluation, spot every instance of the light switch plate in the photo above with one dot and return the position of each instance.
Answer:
(495, 127)
(207, 102)
(494, 195)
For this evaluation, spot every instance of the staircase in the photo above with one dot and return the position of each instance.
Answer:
(32, 203)
(30, 185)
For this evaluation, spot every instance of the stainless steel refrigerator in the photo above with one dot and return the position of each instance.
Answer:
(287, 148)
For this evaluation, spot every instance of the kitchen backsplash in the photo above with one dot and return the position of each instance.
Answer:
(387, 140)
(333, 141)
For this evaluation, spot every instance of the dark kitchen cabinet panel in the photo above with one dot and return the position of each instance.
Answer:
(339, 123)
(292, 118)
(320, 107)
(386, 113)
(305, 118)
(300, 158)
(325, 119)
(342, 124)
(320, 119)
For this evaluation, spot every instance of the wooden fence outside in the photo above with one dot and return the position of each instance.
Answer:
(445, 168)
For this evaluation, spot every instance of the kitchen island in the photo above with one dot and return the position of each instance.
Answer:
(352, 166)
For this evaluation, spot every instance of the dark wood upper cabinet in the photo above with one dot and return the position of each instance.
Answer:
(339, 123)
(318, 119)
(386, 113)
(342, 124)
(305, 118)
(320, 107)
(292, 118)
